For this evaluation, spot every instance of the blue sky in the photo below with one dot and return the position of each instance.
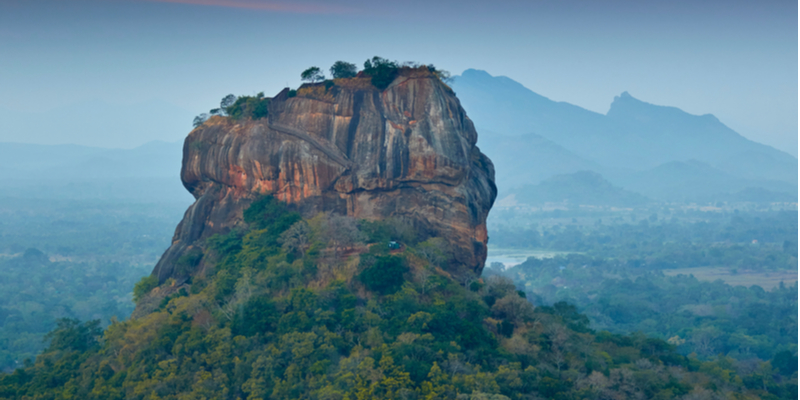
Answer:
(734, 59)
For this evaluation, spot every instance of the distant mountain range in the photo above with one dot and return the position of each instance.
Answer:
(582, 187)
(96, 123)
(150, 172)
(660, 152)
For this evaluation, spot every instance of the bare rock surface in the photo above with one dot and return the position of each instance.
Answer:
(406, 152)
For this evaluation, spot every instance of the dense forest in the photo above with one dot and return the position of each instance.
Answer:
(638, 278)
(72, 259)
(704, 318)
(752, 240)
(323, 308)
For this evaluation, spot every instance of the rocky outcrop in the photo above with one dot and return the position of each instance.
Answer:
(406, 152)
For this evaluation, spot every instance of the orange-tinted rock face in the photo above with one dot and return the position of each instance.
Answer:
(406, 152)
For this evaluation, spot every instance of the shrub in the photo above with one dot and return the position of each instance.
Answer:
(505, 328)
(72, 335)
(165, 301)
(270, 213)
(443, 75)
(227, 101)
(144, 286)
(256, 316)
(383, 231)
(252, 107)
(341, 69)
(385, 276)
(188, 261)
(381, 70)
(313, 74)
(200, 119)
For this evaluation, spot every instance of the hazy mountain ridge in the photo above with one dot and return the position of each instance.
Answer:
(531, 158)
(146, 173)
(152, 159)
(98, 123)
(632, 145)
(582, 187)
(693, 180)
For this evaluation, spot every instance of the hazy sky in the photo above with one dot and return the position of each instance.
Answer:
(734, 59)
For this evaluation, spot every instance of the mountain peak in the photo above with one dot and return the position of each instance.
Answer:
(472, 73)
(625, 98)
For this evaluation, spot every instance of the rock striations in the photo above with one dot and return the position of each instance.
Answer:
(406, 152)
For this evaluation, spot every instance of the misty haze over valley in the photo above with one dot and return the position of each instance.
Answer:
(218, 200)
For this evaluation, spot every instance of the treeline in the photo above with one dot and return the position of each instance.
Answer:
(378, 71)
(35, 293)
(99, 250)
(758, 241)
(324, 308)
(702, 318)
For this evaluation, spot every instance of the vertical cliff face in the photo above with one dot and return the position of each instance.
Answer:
(406, 152)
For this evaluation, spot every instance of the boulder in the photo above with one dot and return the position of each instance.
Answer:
(406, 152)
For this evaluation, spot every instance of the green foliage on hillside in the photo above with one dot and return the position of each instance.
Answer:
(384, 275)
(144, 286)
(271, 323)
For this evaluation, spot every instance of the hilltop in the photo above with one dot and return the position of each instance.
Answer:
(404, 151)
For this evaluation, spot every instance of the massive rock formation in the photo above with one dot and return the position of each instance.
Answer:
(406, 152)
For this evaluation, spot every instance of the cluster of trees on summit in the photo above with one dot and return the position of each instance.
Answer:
(380, 71)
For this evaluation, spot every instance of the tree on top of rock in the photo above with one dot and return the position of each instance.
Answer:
(342, 69)
(227, 101)
(313, 75)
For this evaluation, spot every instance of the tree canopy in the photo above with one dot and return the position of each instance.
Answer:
(313, 75)
(342, 69)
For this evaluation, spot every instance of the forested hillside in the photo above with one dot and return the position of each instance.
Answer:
(292, 311)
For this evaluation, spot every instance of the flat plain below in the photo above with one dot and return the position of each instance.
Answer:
(766, 279)
(510, 257)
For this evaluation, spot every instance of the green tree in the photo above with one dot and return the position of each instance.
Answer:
(72, 335)
(200, 119)
(382, 71)
(296, 239)
(313, 75)
(342, 69)
(385, 276)
(227, 101)
(144, 286)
